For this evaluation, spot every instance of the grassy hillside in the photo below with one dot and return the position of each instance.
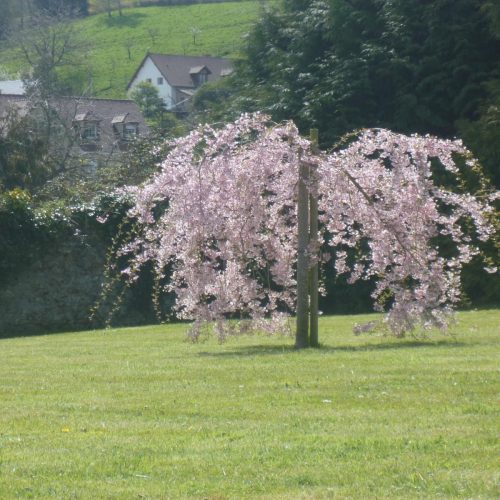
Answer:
(219, 29)
(140, 413)
(96, 6)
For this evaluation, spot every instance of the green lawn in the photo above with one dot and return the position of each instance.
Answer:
(220, 29)
(141, 413)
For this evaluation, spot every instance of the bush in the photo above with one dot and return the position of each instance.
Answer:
(52, 263)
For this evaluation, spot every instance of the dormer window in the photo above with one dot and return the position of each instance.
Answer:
(124, 130)
(199, 75)
(130, 130)
(202, 78)
(90, 131)
(87, 127)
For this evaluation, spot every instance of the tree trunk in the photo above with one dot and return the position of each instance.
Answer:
(313, 242)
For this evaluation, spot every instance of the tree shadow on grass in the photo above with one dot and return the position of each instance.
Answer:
(128, 20)
(274, 350)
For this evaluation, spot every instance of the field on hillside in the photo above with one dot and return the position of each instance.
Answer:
(96, 6)
(218, 30)
(141, 413)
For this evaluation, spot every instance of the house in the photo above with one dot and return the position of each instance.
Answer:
(178, 77)
(90, 130)
(12, 87)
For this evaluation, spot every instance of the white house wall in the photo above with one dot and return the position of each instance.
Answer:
(149, 70)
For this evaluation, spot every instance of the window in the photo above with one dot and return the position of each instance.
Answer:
(92, 165)
(200, 78)
(89, 130)
(148, 80)
(130, 130)
(159, 80)
(199, 75)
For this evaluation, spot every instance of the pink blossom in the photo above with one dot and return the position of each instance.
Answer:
(229, 231)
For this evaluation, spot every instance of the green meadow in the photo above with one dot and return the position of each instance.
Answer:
(142, 413)
(216, 29)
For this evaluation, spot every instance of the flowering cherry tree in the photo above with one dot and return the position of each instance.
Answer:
(221, 217)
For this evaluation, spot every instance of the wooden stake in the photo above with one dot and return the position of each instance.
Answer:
(302, 336)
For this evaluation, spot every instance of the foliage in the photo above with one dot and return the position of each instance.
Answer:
(7, 18)
(37, 146)
(229, 232)
(54, 7)
(51, 265)
(483, 132)
(24, 233)
(138, 411)
(75, 186)
(216, 102)
(337, 65)
(37, 154)
(23, 153)
(55, 53)
(147, 97)
(492, 9)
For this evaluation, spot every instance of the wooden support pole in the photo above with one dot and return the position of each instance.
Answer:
(302, 334)
(313, 242)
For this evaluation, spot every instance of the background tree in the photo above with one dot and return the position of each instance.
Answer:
(492, 9)
(128, 44)
(56, 54)
(153, 108)
(8, 18)
(109, 5)
(195, 33)
(338, 65)
(146, 96)
(153, 33)
(482, 132)
(72, 187)
(54, 7)
(37, 148)
(23, 154)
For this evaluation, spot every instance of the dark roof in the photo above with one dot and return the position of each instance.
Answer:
(105, 111)
(81, 108)
(177, 70)
(71, 110)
